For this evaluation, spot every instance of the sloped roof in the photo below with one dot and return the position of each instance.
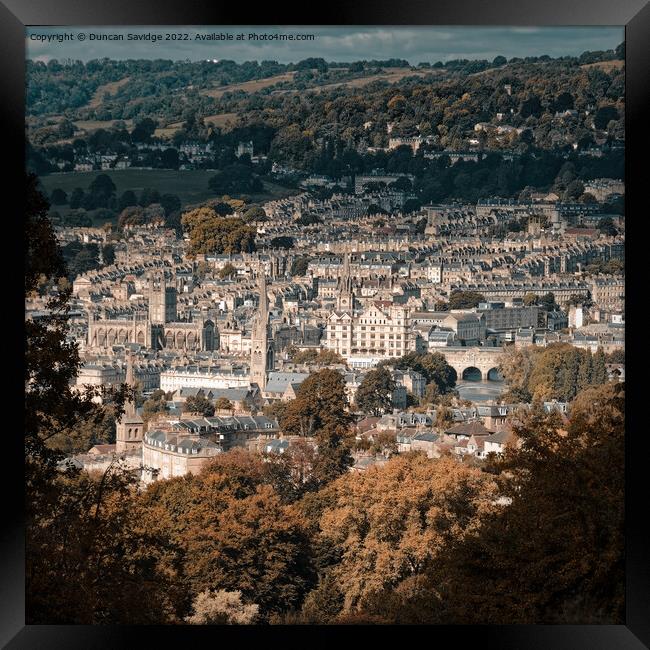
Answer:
(474, 428)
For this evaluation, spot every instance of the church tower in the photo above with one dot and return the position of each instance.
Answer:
(345, 297)
(130, 427)
(162, 300)
(261, 345)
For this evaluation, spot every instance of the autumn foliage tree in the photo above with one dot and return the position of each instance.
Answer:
(211, 233)
(234, 533)
(559, 371)
(222, 608)
(386, 523)
(88, 558)
(556, 546)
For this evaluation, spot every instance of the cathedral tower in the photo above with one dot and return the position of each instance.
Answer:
(162, 300)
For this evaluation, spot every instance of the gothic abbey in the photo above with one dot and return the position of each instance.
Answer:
(157, 328)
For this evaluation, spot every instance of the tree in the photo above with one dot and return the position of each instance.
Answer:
(329, 358)
(281, 242)
(93, 555)
(108, 253)
(101, 191)
(127, 200)
(224, 404)
(616, 356)
(76, 198)
(58, 197)
(432, 366)
(558, 371)
(301, 356)
(318, 405)
(465, 299)
(599, 373)
(291, 473)
(220, 519)
(157, 403)
(78, 528)
(585, 372)
(563, 102)
(51, 361)
(170, 203)
(554, 582)
(210, 233)
(412, 508)
(318, 411)
(169, 158)
(148, 196)
(547, 301)
(444, 417)
(604, 115)
(606, 226)
(309, 220)
(531, 299)
(299, 266)
(199, 404)
(227, 271)
(531, 106)
(375, 393)
(235, 179)
(256, 213)
(574, 189)
(222, 608)
(143, 130)
(132, 216)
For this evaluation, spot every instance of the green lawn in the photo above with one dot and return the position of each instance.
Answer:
(191, 186)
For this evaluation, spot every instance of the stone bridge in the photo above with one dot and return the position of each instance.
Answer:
(462, 359)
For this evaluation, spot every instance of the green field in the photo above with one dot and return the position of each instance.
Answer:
(191, 186)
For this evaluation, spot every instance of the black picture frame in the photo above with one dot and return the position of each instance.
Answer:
(15, 15)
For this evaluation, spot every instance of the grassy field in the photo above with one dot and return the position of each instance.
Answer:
(93, 125)
(390, 75)
(167, 131)
(110, 88)
(191, 186)
(249, 86)
(605, 65)
(220, 119)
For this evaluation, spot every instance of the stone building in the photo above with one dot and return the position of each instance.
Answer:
(158, 328)
(262, 352)
(382, 330)
(129, 429)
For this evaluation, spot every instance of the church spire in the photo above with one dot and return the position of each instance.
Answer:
(345, 298)
(263, 310)
(130, 404)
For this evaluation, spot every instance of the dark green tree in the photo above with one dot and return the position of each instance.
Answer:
(375, 393)
(199, 404)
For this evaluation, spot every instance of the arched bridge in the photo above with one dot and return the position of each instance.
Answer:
(462, 359)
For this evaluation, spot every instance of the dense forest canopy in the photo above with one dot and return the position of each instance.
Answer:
(442, 99)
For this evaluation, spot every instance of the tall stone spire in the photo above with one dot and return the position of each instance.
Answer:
(130, 380)
(345, 298)
(261, 346)
(129, 429)
(263, 309)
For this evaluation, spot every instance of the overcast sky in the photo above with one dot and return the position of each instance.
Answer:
(415, 44)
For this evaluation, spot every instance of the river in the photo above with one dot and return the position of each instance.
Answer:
(477, 390)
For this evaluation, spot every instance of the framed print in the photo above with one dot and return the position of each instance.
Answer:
(325, 323)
